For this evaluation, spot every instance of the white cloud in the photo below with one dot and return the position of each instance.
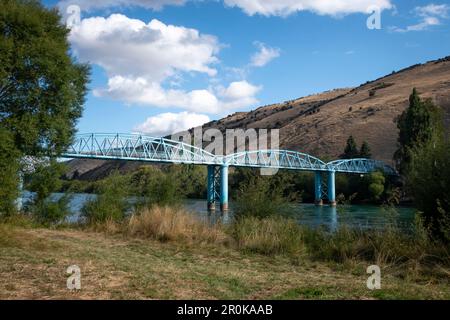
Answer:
(154, 51)
(264, 55)
(168, 123)
(431, 15)
(433, 10)
(322, 7)
(212, 100)
(139, 58)
(103, 4)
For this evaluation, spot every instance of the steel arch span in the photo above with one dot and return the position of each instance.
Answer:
(361, 166)
(137, 148)
(276, 159)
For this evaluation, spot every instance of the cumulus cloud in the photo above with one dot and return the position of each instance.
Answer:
(155, 51)
(264, 55)
(430, 15)
(102, 4)
(140, 57)
(169, 123)
(322, 7)
(212, 100)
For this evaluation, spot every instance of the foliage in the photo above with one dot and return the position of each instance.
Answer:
(111, 202)
(258, 198)
(156, 187)
(42, 88)
(417, 125)
(191, 180)
(9, 179)
(428, 181)
(46, 179)
(376, 185)
(49, 212)
(365, 151)
(351, 150)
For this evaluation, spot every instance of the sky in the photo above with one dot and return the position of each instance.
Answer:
(162, 66)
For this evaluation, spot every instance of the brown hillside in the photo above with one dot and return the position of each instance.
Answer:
(320, 124)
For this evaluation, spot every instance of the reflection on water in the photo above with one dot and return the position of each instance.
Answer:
(358, 216)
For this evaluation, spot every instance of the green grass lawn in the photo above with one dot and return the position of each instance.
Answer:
(33, 265)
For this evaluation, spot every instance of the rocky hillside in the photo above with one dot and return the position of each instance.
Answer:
(320, 124)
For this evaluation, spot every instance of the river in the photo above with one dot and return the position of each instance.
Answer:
(358, 216)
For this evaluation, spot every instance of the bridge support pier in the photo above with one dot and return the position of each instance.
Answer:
(332, 188)
(318, 188)
(217, 188)
(211, 189)
(224, 188)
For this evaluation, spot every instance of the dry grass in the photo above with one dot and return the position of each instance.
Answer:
(172, 224)
(268, 236)
(33, 265)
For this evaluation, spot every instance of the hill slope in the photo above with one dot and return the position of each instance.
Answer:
(320, 124)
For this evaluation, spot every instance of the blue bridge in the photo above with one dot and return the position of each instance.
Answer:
(160, 150)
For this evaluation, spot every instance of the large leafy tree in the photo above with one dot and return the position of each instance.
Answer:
(42, 88)
(417, 124)
(428, 181)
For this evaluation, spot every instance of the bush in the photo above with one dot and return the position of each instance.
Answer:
(268, 236)
(428, 181)
(156, 187)
(48, 212)
(169, 223)
(111, 202)
(258, 198)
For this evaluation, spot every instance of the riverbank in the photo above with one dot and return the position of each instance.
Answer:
(33, 263)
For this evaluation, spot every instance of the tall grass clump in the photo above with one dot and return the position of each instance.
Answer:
(172, 224)
(269, 236)
(111, 203)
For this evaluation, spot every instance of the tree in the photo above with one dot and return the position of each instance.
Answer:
(376, 185)
(428, 181)
(46, 179)
(351, 150)
(365, 151)
(9, 166)
(416, 125)
(42, 88)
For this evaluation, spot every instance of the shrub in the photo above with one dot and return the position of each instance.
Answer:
(48, 212)
(156, 187)
(111, 202)
(258, 198)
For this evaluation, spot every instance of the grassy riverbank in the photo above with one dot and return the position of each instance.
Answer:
(120, 261)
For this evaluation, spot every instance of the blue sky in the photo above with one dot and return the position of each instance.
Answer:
(166, 65)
